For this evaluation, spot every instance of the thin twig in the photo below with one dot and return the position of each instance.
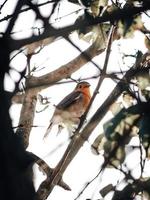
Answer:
(24, 10)
(52, 23)
(38, 14)
(142, 161)
(107, 160)
(20, 51)
(64, 31)
(54, 8)
(102, 76)
(33, 126)
(79, 138)
(66, 159)
(146, 14)
(74, 12)
(85, 55)
(2, 5)
(89, 183)
(14, 18)
(39, 111)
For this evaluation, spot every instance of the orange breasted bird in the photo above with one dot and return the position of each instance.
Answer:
(69, 111)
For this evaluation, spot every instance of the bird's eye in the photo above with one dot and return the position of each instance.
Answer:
(80, 86)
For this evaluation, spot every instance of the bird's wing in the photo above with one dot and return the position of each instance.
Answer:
(70, 99)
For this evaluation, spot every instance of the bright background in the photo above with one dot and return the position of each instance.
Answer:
(85, 165)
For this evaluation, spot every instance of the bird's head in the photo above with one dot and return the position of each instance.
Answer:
(82, 85)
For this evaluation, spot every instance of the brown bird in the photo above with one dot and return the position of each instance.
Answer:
(69, 111)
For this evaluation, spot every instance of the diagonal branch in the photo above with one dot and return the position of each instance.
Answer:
(2, 5)
(27, 115)
(46, 169)
(64, 71)
(24, 10)
(37, 12)
(14, 17)
(33, 85)
(65, 31)
(102, 77)
(30, 100)
(79, 138)
(85, 55)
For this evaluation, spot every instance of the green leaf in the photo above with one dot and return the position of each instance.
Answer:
(146, 94)
(105, 190)
(122, 123)
(144, 127)
(98, 143)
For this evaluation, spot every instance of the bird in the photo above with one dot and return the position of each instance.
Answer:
(70, 109)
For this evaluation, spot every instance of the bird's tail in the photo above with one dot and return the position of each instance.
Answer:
(48, 130)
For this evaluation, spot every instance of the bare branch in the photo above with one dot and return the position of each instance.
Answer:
(64, 71)
(47, 170)
(24, 10)
(27, 115)
(2, 5)
(37, 12)
(18, 99)
(102, 77)
(85, 55)
(79, 138)
(14, 17)
(65, 31)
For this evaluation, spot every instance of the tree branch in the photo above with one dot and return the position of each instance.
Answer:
(24, 10)
(27, 115)
(64, 71)
(2, 5)
(18, 98)
(14, 17)
(65, 31)
(101, 78)
(79, 138)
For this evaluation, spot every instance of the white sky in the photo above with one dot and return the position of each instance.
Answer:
(85, 165)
